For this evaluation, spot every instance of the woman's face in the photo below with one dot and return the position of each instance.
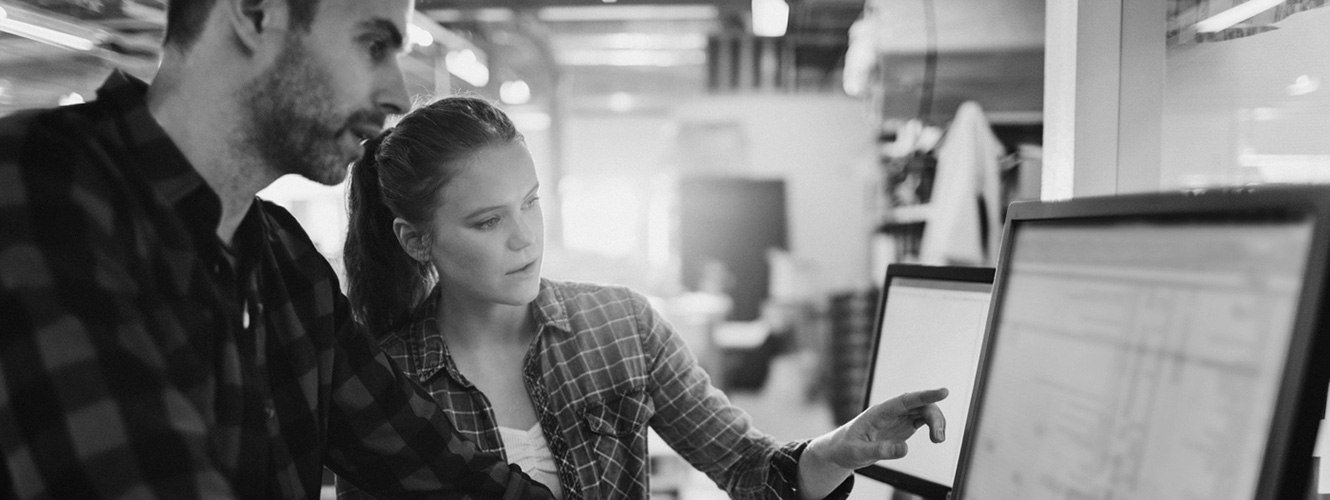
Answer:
(488, 231)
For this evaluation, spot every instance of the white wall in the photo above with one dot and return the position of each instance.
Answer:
(822, 146)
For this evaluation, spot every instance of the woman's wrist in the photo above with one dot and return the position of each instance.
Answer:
(818, 474)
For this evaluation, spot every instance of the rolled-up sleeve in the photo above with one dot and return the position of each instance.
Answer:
(700, 423)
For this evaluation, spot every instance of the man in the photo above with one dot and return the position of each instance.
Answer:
(166, 335)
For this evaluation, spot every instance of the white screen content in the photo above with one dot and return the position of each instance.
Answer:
(1136, 361)
(931, 336)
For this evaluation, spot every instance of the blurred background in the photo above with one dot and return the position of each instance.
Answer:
(754, 165)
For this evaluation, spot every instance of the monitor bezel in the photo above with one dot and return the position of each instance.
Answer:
(902, 480)
(1301, 396)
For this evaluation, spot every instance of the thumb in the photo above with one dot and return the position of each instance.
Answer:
(892, 450)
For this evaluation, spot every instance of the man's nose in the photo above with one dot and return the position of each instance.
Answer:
(391, 96)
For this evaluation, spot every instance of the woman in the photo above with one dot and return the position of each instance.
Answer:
(443, 258)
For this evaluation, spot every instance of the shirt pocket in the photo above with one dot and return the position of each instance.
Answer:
(617, 428)
(620, 415)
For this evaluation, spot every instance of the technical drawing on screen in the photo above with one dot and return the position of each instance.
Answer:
(1152, 347)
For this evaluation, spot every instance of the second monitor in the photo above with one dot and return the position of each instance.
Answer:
(929, 334)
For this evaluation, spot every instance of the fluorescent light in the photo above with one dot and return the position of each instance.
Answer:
(657, 58)
(770, 17)
(1303, 85)
(466, 66)
(483, 15)
(50, 29)
(419, 36)
(515, 92)
(71, 98)
(45, 35)
(530, 121)
(622, 102)
(1235, 15)
(639, 41)
(630, 13)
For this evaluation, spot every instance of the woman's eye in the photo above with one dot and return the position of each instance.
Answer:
(489, 223)
(531, 203)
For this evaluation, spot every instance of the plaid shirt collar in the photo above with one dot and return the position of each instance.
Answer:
(164, 166)
(431, 355)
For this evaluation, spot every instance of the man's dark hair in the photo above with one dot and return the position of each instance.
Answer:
(185, 19)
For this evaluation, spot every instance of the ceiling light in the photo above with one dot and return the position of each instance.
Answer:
(37, 24)
(630, 13)
(639, 41)
(621, 102)
(770, 17)
(1303, 85)
(515, 92)
(656, 58)
(480, 15)
(419, 36)
(1236, 14)
(46, 29)
(71, 98)
(530, 121)
(467, 66)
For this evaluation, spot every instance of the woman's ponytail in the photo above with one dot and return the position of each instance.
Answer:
(383, 282)
(401, 174)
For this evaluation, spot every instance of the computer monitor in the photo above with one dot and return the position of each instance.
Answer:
(1154, 347)
(929, 334)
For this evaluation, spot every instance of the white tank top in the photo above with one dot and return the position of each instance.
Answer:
(529, 450)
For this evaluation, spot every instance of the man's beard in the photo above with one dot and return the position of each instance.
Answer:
(293, 127)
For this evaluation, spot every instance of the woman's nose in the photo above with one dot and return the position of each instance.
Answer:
(522, 236)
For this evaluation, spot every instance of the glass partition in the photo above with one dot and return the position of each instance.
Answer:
(1243, 99)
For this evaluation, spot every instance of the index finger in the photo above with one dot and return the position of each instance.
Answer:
(912, 400)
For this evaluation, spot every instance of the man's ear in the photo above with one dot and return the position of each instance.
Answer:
(252, 21)
(413, 241)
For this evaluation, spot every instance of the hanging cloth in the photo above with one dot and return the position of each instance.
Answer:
(967, 176)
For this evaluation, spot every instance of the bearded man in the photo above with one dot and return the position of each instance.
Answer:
(168, 335)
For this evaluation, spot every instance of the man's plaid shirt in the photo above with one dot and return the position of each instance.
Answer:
(137, 361)
(603, 367)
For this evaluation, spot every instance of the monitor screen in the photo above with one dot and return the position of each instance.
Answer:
(930, 333)
(1147, 357)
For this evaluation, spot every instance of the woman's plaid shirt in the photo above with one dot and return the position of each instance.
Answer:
(604, 366)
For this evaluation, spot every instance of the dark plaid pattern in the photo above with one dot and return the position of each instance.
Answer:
(136, 361)
(604, 366)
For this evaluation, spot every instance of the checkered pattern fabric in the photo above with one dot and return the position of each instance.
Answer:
(604, 366)
(139, 358)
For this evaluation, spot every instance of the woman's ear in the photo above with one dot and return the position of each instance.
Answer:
(413, 241)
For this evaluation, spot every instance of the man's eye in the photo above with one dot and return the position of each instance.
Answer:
(378, 49)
